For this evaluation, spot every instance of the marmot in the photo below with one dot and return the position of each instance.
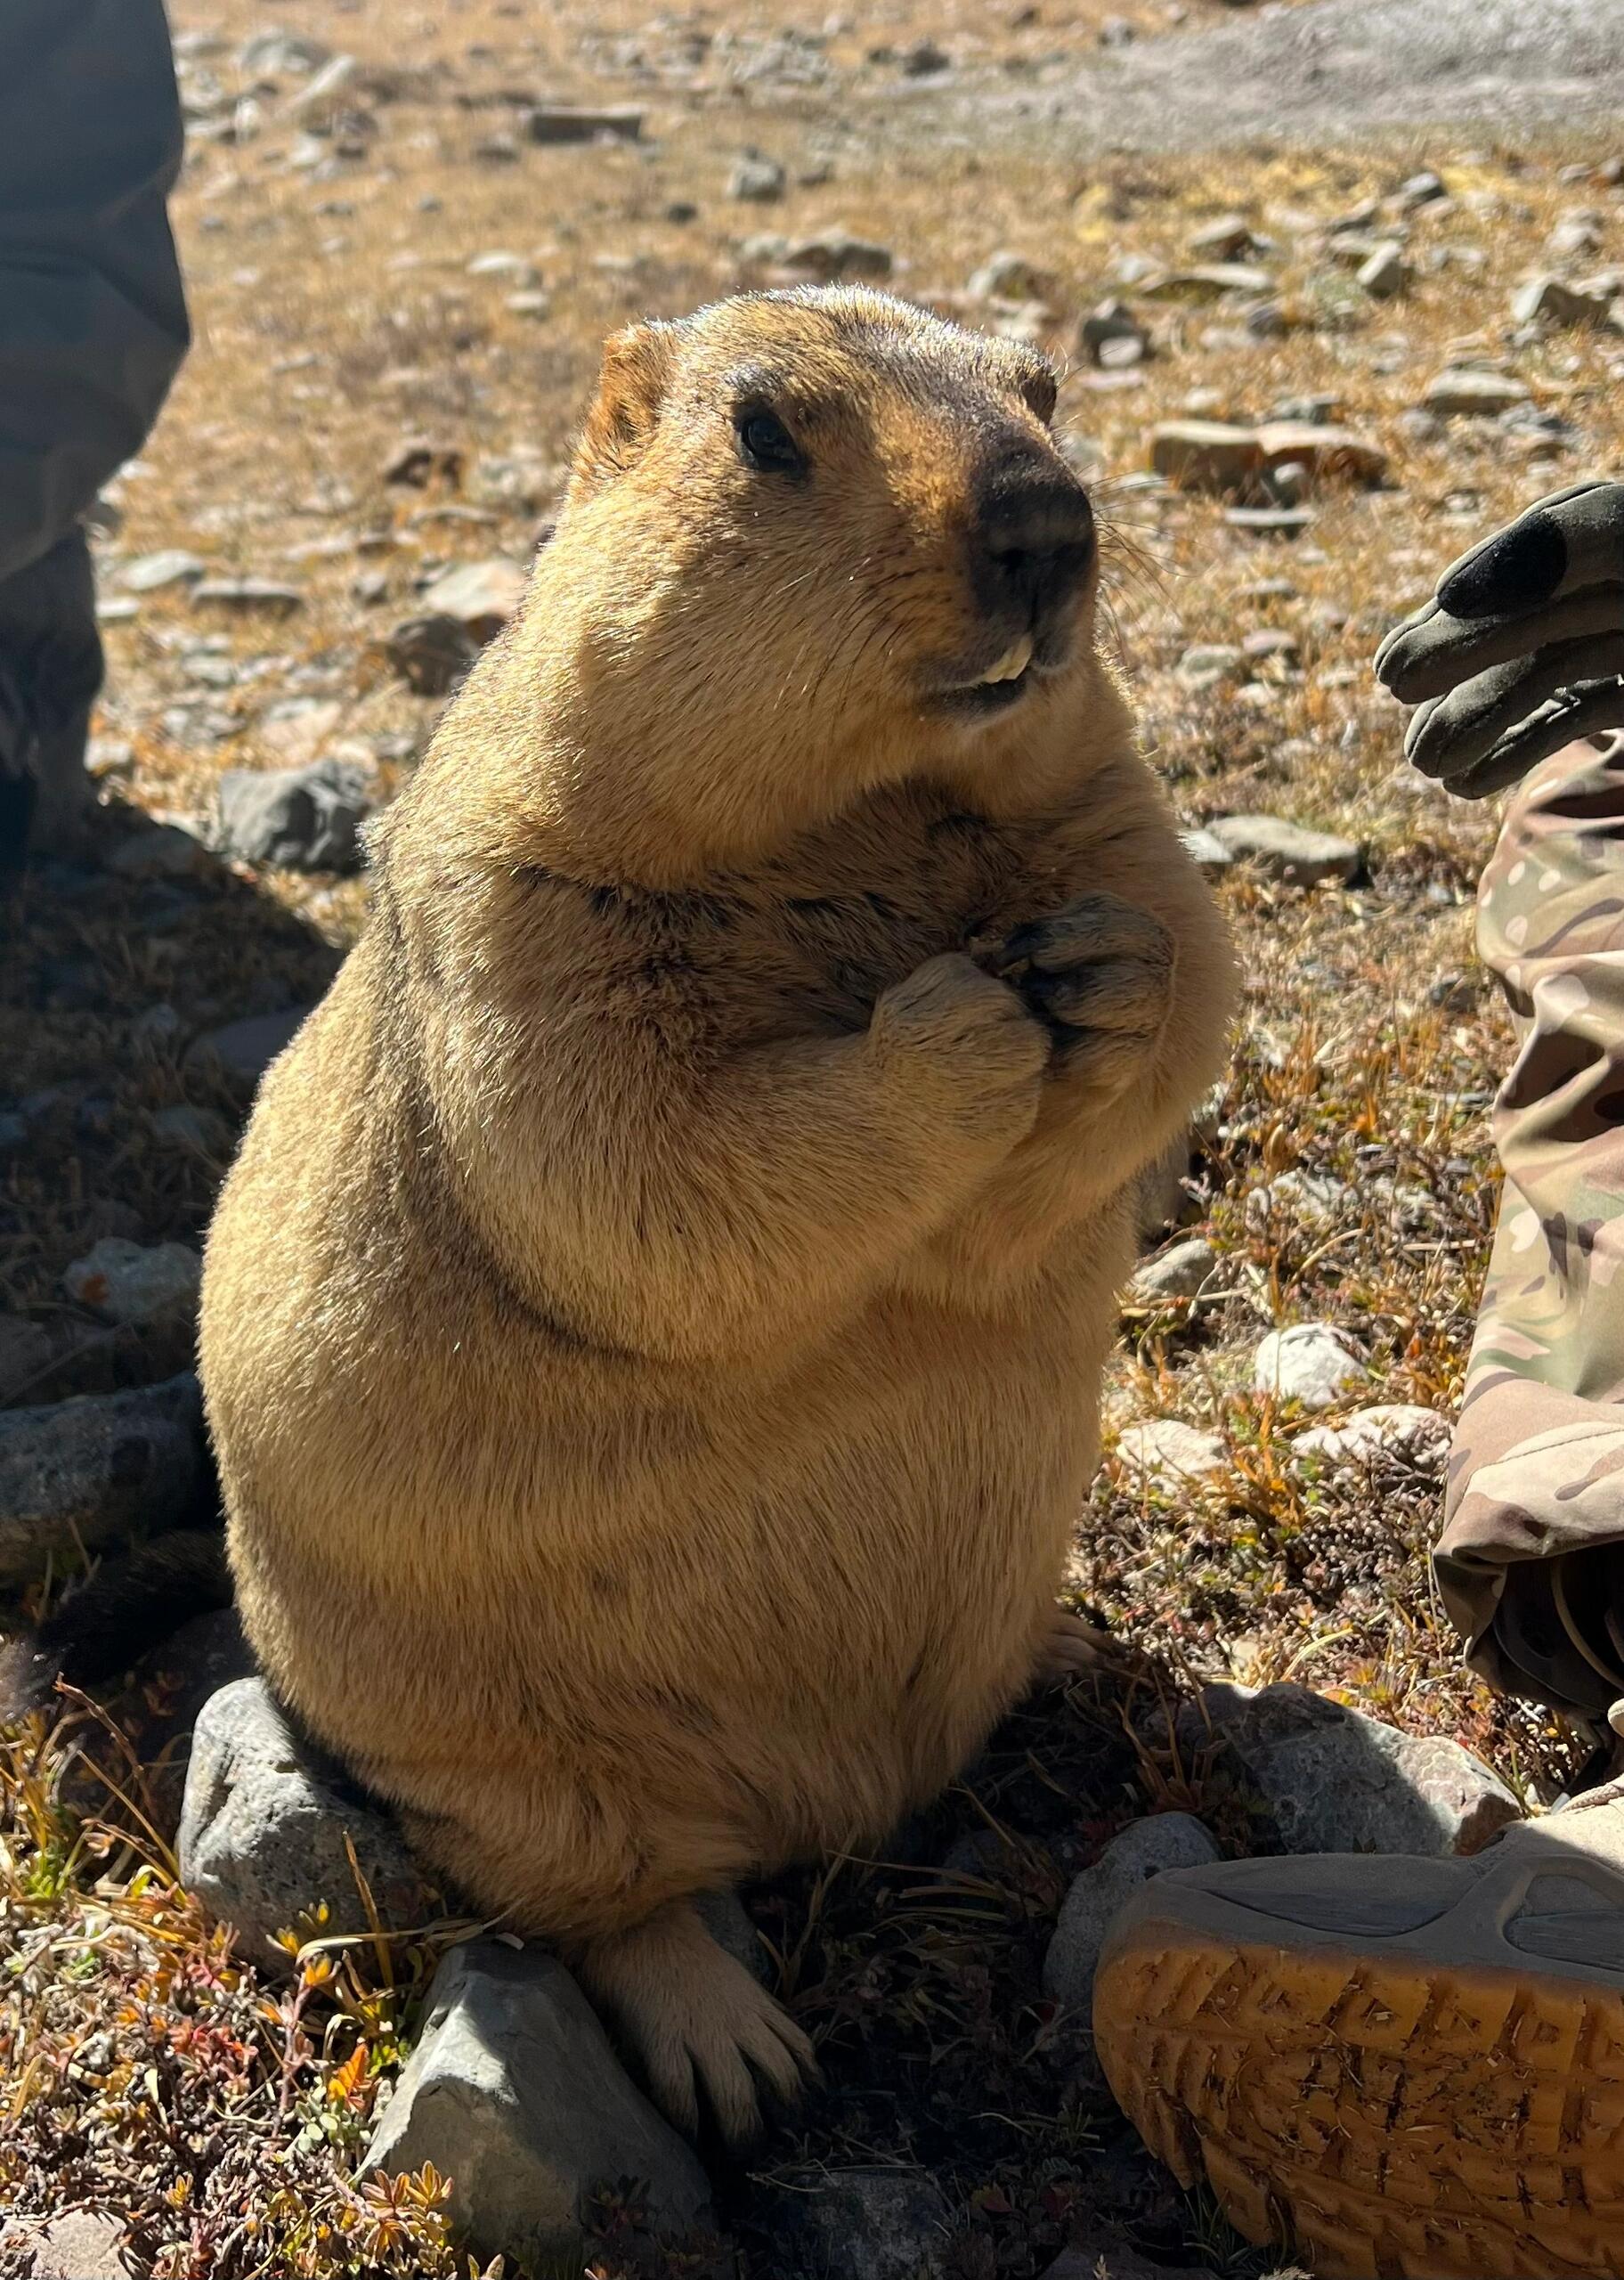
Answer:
(653, 1330)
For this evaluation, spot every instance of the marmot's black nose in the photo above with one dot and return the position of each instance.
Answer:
(1033, 539)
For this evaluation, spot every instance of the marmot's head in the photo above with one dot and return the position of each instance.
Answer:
(814, 542)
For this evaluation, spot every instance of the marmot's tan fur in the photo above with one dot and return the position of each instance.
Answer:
(651, 1332)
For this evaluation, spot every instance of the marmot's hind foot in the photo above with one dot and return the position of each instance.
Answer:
(703, 2028)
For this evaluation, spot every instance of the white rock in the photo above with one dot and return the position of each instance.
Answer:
(129, 1283)
(1165, 1452)
(1143, 1849)
(1207, 664)
(1314, 1201)
(1309, 1363)
(1401, 1431)
(170, 566)
(1210, 854)
(512, 268)
(1288, 851)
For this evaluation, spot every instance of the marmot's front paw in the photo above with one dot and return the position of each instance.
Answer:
(1101, 973)
(969, 1038)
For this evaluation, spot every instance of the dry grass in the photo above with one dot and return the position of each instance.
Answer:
(144, 2068)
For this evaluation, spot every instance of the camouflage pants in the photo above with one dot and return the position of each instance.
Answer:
(1531, 1559)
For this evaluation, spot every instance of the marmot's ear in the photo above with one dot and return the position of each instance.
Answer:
(638, 363)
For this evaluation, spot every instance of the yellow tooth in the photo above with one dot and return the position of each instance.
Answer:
(1013, 662)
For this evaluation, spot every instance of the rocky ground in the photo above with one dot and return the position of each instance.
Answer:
(1303, 374)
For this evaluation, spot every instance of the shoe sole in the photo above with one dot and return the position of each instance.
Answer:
(1386, 2117)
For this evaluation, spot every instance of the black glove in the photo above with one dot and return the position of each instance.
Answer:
(1522, 650)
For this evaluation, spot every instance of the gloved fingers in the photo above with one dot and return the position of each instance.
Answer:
(1434, 652)
(1561, 545)
(1570, 540)
(1565, 715)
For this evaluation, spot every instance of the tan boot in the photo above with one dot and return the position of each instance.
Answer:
(1401, 2067)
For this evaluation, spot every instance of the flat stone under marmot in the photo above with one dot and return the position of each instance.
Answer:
(653, 1330)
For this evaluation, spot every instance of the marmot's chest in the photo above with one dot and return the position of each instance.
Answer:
(825, 934)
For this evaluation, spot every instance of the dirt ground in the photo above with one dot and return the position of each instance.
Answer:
(346, 306)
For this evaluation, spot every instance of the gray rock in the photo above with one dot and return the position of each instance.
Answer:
(1141, 1851)
(1112, 337)
(1576, 233)
(726, 1918)
(1462, 390)
(923, 59)
(1166, 1453)
(480, 595)
(578, 123)
(1385, 275)
(86, 2245)
(275, 53)
(164, 851)
(1008, 277)
(1207, 664)
(431, 654)
(263, 1825)
(1177, 1274)
(246, 1049)
(1270, 522)
(1116, 2259)
(1205, 454)
(150, 573)
(330, 93)
(92, 1470)
(1228, 238)
(25, 1349)
(247, 595)
(1288, 851)
(1213, 281)
(759, 181)
(1308, 1363)
(194, 1130)
(300, 818)
(1423, 189)
(866, 2224)
(1337, 1781)
(1548, 300)
(129, 1283)
(835, 254)
(513, 2093)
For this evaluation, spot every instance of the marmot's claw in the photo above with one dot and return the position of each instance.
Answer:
(703, 2028)
(1099, 974)
(1073, 1648)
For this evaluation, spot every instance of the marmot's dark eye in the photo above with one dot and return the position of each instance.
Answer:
(767, 443)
